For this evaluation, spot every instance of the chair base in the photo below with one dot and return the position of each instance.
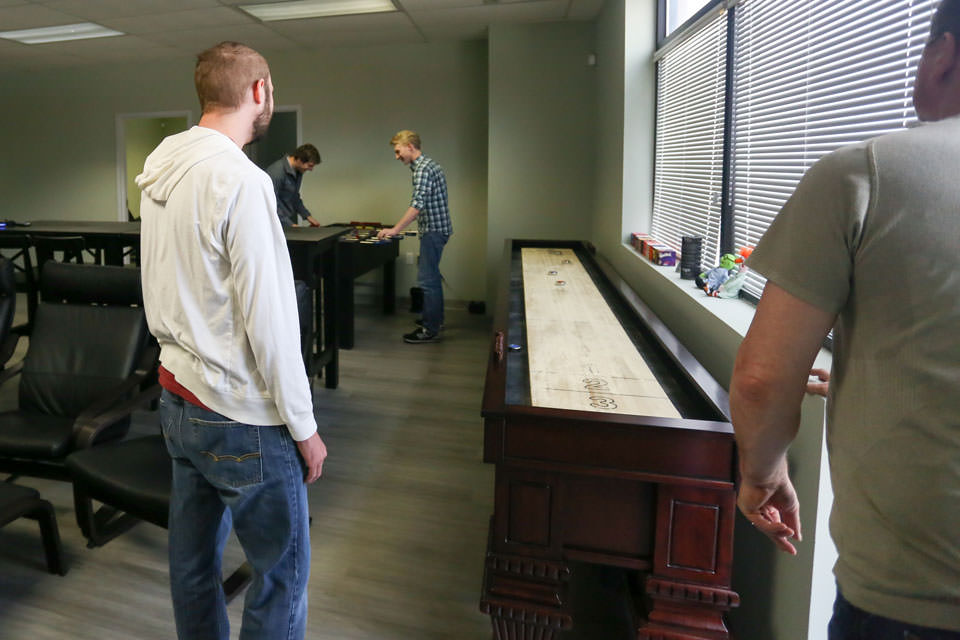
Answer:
(102, 525)
(23, 502)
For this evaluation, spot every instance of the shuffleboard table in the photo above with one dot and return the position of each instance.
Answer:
(612, 446)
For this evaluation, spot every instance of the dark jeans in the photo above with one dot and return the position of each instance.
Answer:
(851, 623)
(431, 250)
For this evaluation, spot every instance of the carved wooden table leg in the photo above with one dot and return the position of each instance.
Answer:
(690, 581)
(525, 598)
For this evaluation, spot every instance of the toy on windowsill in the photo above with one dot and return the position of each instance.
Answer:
(725, 280)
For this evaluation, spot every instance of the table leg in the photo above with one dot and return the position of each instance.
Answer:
(345, 312)
(330, 337)
(390, 286)
(690, 582)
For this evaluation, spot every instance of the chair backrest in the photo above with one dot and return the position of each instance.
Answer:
(21, 258)
(89, 335)
(59, 248)
(8, 297)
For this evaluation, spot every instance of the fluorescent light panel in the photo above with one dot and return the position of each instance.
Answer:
(79, 31)
(316, 9)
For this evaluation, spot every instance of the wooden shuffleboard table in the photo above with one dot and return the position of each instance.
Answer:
(612, 446)
(313, 252)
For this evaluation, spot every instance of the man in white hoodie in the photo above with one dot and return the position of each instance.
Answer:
(236, 407)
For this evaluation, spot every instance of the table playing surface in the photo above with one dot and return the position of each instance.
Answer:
(579, 355)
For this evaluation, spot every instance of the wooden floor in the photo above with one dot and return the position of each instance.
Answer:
(399, 516)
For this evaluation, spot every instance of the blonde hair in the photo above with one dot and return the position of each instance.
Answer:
(406, 137)
(224, 72)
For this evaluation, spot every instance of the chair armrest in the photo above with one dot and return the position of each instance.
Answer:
(10, 372)
(87, 427)
(7, 348)
(112, 406)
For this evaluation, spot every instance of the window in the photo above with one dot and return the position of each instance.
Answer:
(680, 11)
(805, 78)
(811, 77)
(689, 153)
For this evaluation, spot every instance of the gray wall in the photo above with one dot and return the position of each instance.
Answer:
(58, 158)
(541, 135)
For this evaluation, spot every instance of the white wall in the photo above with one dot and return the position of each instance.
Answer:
(541, 135)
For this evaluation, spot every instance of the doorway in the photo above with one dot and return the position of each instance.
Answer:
(281, 138)
(137, 135)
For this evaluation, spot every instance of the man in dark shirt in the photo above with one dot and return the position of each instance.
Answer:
(287, 174)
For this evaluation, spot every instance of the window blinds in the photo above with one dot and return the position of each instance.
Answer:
(689, 138)
(811, 76)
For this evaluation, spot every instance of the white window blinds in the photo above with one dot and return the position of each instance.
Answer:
(689, 138)
(811, 76)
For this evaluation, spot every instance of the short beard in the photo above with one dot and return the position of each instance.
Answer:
(261, 124)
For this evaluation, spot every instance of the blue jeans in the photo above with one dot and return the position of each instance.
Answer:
(431, 249)
(851, 623)
(257, 473)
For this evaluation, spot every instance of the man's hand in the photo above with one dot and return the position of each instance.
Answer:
(772, 507)
(314, 452)
(384, 233)
(819, 388)
(312, 221)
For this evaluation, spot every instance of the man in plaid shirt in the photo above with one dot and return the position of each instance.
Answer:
(429, 206)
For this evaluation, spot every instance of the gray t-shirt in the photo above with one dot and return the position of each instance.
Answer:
(872, 233)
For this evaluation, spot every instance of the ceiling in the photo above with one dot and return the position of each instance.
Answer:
(157, 29)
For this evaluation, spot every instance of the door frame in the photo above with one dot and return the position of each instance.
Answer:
(121, 121)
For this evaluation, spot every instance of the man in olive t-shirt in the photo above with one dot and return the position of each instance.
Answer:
(870, 244)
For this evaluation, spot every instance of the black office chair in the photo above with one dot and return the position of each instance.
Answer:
(88, 358)
(16, 501)
(132, 479)
(59, 248)
(26, 274)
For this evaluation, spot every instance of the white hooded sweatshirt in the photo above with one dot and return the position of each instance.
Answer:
(217, 282)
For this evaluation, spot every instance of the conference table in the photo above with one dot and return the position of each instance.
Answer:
(313, 252)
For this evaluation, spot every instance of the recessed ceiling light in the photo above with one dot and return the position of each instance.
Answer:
(79, 31)
(316, 8)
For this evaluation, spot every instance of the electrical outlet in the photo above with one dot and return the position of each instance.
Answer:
(409, 257)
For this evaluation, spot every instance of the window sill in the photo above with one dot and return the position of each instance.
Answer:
(734, 312)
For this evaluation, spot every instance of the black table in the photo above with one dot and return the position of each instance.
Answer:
(313, 251)
(355, 259)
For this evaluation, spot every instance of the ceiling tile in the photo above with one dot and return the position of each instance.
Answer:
(427, 5)
(546, 10)
(28, 16)
(453, 31)
(174, 20)
(363, 38)
(356, 24)
(94, 10)
(99, 48)
(253, 35)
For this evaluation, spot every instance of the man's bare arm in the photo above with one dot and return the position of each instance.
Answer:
(769, 380)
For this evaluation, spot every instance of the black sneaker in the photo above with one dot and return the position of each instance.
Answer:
(421, 335)
(419, 322)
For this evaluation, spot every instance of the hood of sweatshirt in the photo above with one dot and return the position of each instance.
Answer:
(165, 167)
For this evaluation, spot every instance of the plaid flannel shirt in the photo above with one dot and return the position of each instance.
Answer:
(430, 196)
